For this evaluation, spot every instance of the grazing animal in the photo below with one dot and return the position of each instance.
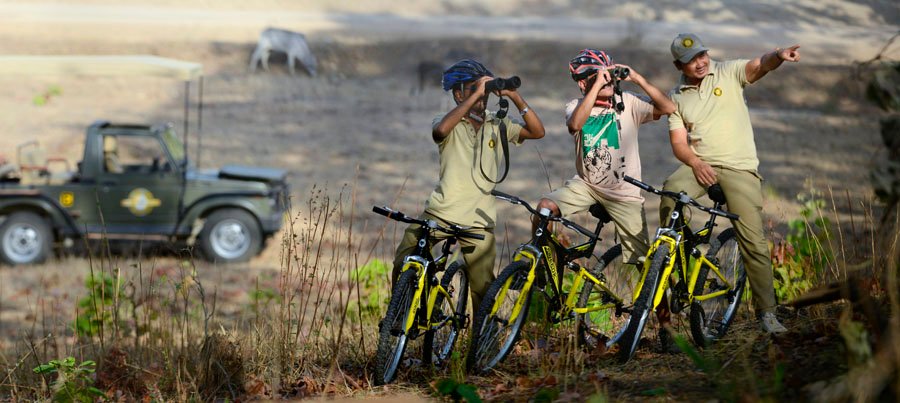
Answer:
(292, 43)
(429, 74)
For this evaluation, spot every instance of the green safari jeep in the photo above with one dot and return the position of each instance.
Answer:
(134, 184)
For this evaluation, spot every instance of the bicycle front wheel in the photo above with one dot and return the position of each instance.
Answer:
(640, 311)
(711, 318)
(392, 334)
(603, 327)
(494, 333)
(448, 314)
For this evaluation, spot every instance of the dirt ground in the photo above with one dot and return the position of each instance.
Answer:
(363, 122)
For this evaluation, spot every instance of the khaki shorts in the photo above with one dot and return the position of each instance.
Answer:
(631, 222)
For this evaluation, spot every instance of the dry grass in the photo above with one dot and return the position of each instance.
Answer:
(163, 337)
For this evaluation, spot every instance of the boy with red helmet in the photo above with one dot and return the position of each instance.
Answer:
(606, 147)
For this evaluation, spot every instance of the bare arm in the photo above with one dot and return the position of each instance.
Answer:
(704, 173)
(534, 128)
(583, 110)
(759, 67)
(440, 131)
(662, 105)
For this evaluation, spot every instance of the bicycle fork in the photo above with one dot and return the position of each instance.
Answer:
(526, 288)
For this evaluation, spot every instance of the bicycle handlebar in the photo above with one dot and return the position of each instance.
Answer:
(682, 197)
(454, 230)
(569, 224)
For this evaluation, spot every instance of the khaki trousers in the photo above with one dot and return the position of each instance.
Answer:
(743, 193)
(478, 255)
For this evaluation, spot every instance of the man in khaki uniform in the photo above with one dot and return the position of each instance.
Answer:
(469, 143)
(711, 134)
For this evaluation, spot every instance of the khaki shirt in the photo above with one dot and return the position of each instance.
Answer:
(716, 117)
(463, 195)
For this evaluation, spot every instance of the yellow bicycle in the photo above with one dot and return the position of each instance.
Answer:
(421, 305)
(538, 269)
(710, 284)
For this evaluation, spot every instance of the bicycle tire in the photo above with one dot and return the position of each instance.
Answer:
(711, 319)
(640, 311)
(605, 327)
(438, 343)
(391, 346)
(486, 350)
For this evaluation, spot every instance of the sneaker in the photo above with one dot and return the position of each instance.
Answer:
(770, 324)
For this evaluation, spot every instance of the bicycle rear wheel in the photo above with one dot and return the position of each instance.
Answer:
(602, 328)
(392, 335)
(437, 344)
(640, 311)
(494, 335)
(710, 319)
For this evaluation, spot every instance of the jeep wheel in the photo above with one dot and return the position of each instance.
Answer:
(230, 235)
(25, 239)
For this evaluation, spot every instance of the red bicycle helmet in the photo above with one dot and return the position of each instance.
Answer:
(588, 62)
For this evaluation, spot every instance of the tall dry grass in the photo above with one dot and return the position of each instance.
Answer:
(160, 333)
(156, 332)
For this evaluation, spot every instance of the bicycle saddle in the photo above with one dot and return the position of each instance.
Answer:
(716, 194)
(597, 210)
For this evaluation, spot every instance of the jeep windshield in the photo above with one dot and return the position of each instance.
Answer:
(175, 146)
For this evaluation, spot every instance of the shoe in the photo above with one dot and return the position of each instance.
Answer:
(770, 324)
(667, 342)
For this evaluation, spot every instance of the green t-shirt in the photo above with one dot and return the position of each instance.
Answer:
(716, 116)
(463, 195)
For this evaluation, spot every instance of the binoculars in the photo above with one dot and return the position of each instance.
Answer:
(620, 73)
(500, 84)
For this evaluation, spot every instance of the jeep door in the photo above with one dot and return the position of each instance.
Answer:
(139, 185)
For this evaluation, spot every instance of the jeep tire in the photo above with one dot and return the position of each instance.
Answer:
(230, 235)
(25, 238)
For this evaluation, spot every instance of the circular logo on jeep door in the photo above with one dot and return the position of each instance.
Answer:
(141, 202)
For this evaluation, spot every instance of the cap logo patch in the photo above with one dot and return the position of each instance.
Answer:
(687, 42)
(717, 92)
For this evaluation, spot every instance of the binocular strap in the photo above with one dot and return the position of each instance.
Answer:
(504, 143)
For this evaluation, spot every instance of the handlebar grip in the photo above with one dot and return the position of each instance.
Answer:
(584, 231)
(724, 214)
(638, 183)
(470, 235)
(382, 210)
(732, 216)
(497, 193)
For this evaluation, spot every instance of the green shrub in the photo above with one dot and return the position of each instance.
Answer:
(74, 382)
(374, 296)
(96, 309)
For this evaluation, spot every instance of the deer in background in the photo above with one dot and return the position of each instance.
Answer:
(292, 43)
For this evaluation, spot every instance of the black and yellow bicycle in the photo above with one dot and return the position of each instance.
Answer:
(710, 284)
(538, 268)
(421, 305)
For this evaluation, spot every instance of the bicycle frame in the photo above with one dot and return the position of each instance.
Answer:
(540, 252)
(679, 237)
(427, 284)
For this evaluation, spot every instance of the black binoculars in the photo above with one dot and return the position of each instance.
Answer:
(500, 84)
(620, 73)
